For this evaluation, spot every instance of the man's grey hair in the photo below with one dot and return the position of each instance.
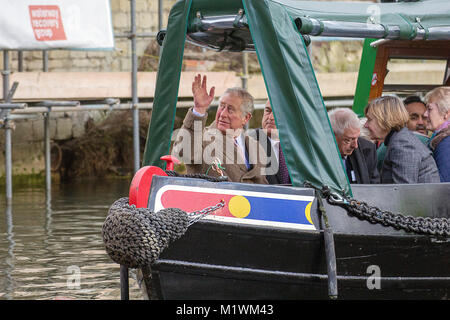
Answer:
(343, 118)
(247, 106)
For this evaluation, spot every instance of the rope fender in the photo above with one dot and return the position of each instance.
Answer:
(136, 237)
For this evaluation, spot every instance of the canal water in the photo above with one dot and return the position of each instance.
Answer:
(51, 247)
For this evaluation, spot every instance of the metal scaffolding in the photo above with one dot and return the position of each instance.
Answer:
(23, 110)
(46, 107)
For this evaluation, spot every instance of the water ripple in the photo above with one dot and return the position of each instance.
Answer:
(56, 251)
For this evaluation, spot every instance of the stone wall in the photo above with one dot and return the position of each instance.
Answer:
(117, 60)
(28, 135)
(27, 138)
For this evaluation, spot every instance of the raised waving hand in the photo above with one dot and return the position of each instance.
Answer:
(202, 99)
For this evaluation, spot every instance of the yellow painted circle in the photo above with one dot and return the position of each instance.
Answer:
(239, 206)
(308, 212)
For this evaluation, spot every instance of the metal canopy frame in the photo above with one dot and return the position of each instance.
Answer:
(373, 68)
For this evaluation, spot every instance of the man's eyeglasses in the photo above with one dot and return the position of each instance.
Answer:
(349, 140)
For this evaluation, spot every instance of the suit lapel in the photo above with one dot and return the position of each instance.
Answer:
(359, 166)
(251, 147)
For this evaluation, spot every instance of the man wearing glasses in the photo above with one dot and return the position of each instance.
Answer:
(358, 154)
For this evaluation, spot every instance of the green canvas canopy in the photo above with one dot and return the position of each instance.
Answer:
(428, 20)
(274, 29)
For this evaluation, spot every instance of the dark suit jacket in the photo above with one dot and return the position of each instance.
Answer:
(272, 172)
(364, 162)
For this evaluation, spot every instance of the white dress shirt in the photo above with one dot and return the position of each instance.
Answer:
(275, 147)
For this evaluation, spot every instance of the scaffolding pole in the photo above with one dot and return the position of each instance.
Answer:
(134, 99)
(5, 112)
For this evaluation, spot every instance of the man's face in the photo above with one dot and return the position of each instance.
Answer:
(229, 113)
(268, 121)
(348, 141)
(417, 121)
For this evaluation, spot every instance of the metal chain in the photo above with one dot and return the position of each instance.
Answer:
(171, 173)
(361, 210)
(420, 225)
(197, 215)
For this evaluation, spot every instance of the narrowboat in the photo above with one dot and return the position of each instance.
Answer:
(320, 237)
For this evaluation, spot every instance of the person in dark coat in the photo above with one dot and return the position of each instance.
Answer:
(358, 154)
(276, 170)
(407, 159)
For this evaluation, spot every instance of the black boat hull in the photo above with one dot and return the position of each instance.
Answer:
(235, 262)
(218, 260)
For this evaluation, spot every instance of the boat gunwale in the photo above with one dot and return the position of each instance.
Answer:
(293, 233)
(196, 268)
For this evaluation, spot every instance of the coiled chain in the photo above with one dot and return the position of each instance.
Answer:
(171, 173)
(420, 225)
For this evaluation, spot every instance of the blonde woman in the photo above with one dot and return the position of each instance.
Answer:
(438, 113)
(407, 159)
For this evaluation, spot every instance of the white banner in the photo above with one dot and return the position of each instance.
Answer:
(56, 24)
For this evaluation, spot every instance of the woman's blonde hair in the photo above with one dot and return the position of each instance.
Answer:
(389, 112)
(440, 96)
